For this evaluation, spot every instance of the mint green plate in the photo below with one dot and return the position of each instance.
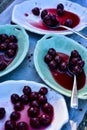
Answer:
(23, 45)
(61, 44)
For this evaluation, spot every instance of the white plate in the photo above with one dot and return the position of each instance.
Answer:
(60, 110)
(18, 15)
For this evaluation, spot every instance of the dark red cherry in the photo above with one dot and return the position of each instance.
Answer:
(48, 58)
(4, 37)
(33, 111)
(47, 108)
(58, 59)
(3, 46)
(80, 63)
(10, 53)
(2, 112)
(15, 116)
(36, 11)
(43, 90)
(35, 103)
(44, 13)
(12, 45)
(34, 122)
(24, 99)
(47, 20)
(74, 53)
(18, 106)
(77, 70)
(68, 23)
(60, 12)
(33, 96)
(45, 119)
(3, 65)
(13, 38)
(15, 98)
(42, 99)
(52, 65)
(27, 90)
(60, 6)
(22, 126)
(63, 66)
(10, 125)
(52, 52)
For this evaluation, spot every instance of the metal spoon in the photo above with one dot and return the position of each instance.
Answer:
(68, 28)
(74, 95)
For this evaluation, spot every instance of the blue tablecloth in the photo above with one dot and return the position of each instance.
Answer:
(26, 71)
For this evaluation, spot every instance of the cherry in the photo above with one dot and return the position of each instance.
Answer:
(42, 99)
(22, 126)
(74, 53)
(24, 99)
(33, 96)
(10, 125)
(48, 58)
(44, 13)
(80, 63)
(15, 116)
(15, 98)
(2, 112)
(34, 103)
(60, 12)
(52, 65)
(68, 22)
(47, 108)
(13, 38)
(3, 46)
(43, 90)
(12, 45)
(4, 37)
(36, 11)
(63, 66)
(60, 6)
(77, 70)
(10, 53)
(45, 119)
(27, 90)
(3, 65)
(58, 59)
(33, 111)
(52, 52)
(18, 106)
(35, 122)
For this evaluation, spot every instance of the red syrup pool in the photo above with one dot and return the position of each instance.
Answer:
(67, 15)
(65, 79)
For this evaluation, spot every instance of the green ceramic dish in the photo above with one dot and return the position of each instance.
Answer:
(61, 44)
(23, 45)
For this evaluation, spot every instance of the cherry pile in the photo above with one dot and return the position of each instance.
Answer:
(8, 49)
(51, 20)
(40, 111)
(55, 62)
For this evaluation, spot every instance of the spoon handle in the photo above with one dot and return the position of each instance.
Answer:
(74, 96)
(72, 30)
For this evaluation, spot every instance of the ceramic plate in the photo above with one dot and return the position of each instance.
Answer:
(58, 102)
(23, 45)
(60, 44)
(23, 15)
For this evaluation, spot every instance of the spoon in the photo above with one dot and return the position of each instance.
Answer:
(68, 28)
(74, 95)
